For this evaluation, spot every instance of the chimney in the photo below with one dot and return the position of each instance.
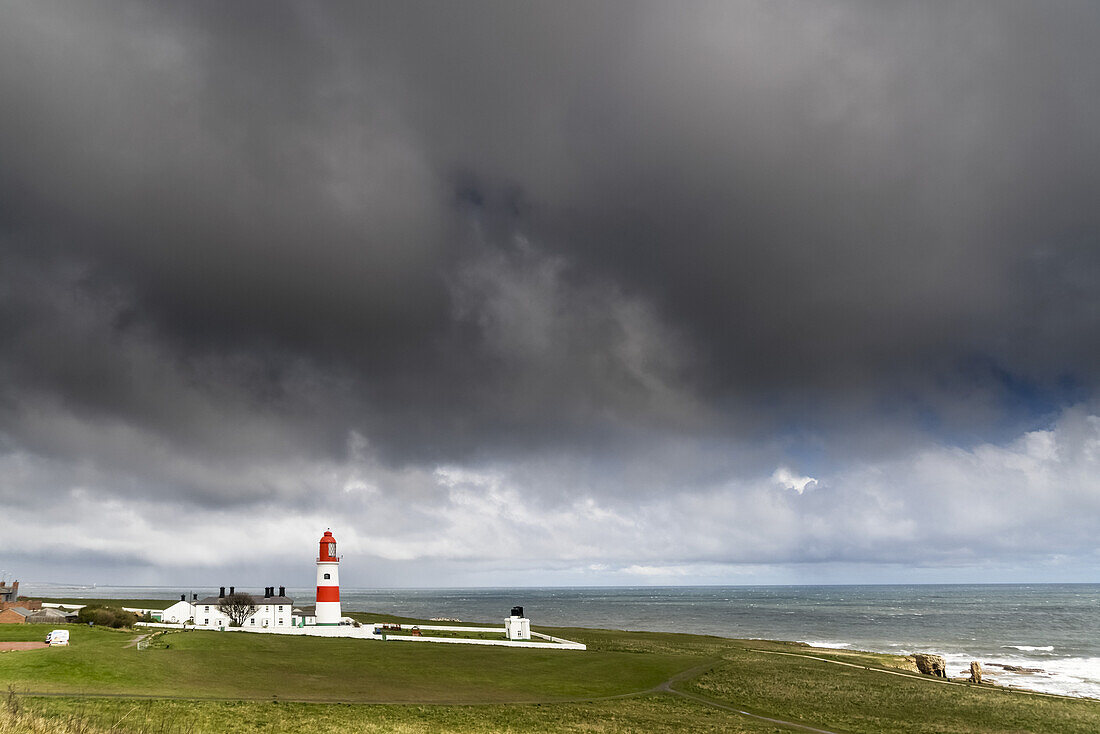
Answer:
(270, 591)
(194, 597)
(282, 591)
(232, 589)
(221, 593)
(183, 597)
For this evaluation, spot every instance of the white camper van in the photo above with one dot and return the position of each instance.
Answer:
(57, 637)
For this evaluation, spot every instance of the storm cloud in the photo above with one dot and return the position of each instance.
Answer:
(631, 291)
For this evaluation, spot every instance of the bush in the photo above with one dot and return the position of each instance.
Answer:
(106, 616)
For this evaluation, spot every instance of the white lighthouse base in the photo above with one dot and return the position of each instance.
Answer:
(328, 612)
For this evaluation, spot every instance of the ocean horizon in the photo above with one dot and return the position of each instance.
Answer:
(1054, 628)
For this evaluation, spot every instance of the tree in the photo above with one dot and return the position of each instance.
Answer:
(238, 606)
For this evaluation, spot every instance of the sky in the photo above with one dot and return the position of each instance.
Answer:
(550, 293)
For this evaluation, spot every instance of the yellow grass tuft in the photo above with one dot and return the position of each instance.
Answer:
(15, 719)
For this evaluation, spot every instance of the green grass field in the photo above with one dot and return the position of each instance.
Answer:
(225, 682)
(228, 665)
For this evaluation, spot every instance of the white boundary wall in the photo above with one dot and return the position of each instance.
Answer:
(138, 610)
(366, 632)
(439, 627)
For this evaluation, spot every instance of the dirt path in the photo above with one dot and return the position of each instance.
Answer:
(777, 722)
(666, 687)
(135, 641)
(5, 646)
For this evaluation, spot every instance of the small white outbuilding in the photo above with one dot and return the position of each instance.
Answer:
(517, 627)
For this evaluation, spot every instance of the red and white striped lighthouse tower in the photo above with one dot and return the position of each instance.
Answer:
(328, 581)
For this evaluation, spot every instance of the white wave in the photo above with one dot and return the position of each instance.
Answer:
(1033, 648)
(1065, 676)
(833, 645)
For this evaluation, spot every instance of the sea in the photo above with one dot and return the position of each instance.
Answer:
(1052, 630)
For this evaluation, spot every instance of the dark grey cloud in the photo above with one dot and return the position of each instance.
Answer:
(599, 251)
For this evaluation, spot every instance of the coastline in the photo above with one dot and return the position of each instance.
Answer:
(205, 680)
(1072, 677)
(1054, 627)
(997, 671)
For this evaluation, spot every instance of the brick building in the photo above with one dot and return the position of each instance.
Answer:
(14, 615)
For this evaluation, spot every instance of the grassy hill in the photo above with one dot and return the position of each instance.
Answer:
(225, 682)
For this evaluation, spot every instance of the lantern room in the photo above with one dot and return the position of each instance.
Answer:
(328, 548)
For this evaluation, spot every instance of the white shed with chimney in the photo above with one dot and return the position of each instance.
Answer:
(179, 612)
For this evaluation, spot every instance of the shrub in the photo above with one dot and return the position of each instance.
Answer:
(106, 616)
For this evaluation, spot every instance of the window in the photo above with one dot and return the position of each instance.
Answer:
(206, 621)
(328, 576)
(280, 609)
(252, 621)
(206, 609)
(280, 621)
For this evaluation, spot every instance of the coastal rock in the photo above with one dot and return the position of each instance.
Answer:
(1018, 669)
(975, 672)
(906, 663)
(931, 664)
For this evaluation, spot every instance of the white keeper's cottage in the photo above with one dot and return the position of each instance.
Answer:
(272, 610)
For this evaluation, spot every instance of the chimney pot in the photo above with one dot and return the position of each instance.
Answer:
(282, 591)
(183, 597)
(232, 589)
(221, 592)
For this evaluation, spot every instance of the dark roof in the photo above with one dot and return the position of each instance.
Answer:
(257, 600)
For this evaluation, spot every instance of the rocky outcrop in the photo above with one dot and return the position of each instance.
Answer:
(931, 664)
(905, 663)
(1017, 668)
(975, 672)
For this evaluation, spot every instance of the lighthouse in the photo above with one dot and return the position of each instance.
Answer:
(328, 581)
